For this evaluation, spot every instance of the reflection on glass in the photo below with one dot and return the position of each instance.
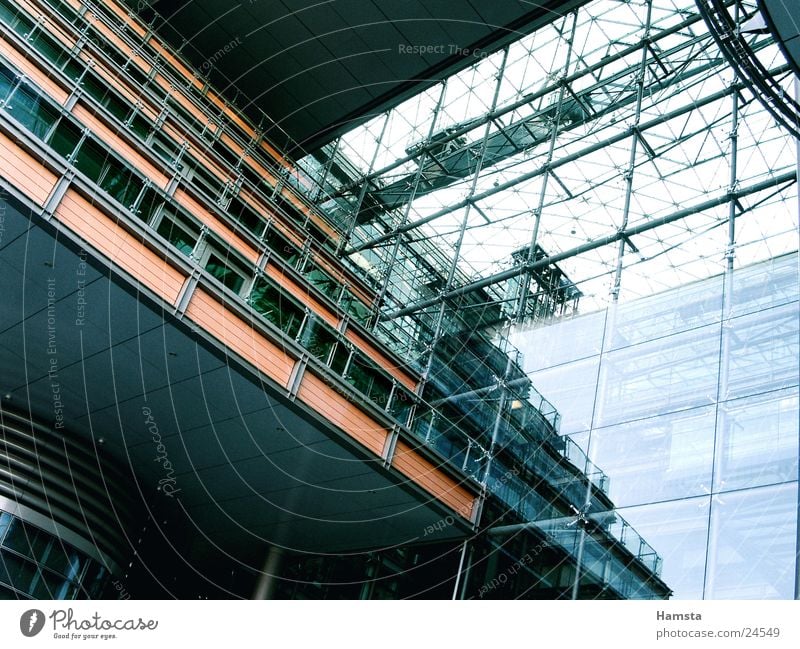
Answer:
(763, 352)
(765, 285)
(660, 458)
(657, 377)
(224, 273)
(562, 342)
(31, 111)
(678, 531)
(571, 390)
(757, 439)
(686, 307)
(752, 545)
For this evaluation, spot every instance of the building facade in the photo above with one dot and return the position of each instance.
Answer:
(197, 398)
(689, 399)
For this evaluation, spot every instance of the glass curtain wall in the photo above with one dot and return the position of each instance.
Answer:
(689, 401)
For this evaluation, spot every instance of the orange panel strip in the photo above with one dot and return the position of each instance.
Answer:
(323, 398)
(29, 69)
(426, 475)
(122, 14)
(239, 336)
(119, 246)
(219, 228)
(24, 171)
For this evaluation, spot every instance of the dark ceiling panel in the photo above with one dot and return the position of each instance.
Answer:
(319, 68)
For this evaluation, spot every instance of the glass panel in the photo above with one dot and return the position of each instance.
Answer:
(18, 572)
(6, 81)
(48, 48)
(31, 111)
(356, 308)
(91, 159)
(165, 148)
(121, 183)
(678, 531)
(224, 273)
(148, 204)
(367, 379)
(246, 216)
(657, 377)
(98, 90)
(562, 342)
(763, 352)
(758, 441)
(339, 359)
(140, 126)
(7, 593)
(283, 247)
(680, 309)
(402, 400)
(73, 69)
(318, 338)
(656, 459)
(322, 280)
(15, 19)
(752, 549)
(65, 138)
(571, 389)
(765, 285)
(177, 235)
(281, 311)
(5, 521)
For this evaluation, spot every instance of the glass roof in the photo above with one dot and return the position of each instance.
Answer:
(559, 126)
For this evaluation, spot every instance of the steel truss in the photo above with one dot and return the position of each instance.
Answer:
(638, 117)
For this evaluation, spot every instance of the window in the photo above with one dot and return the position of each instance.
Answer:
(281, 311)
(369, 380)
(121, 183)
(7, 80)
(90, 159)
(318, 338)
(64, 138)
(180, 234)
(247, 216)
(148, 204)
(356, 308)
(98, 90)
(224, 273)
(282, 247)
(31, 111)
(321, 280)
(49, 48)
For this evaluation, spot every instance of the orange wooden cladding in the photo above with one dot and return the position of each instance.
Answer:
(180, 67)
(301, 294)
(29, 69)
(231, 114)
(24, 171)
(239, 336)
(275, 154)
(197, 150)
(323, 398)
(381, 360)
(115, 143)
(217, 226)
(436, 482)
(122, 248)
(122, 14)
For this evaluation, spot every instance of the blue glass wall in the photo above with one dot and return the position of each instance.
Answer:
(688, 400)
